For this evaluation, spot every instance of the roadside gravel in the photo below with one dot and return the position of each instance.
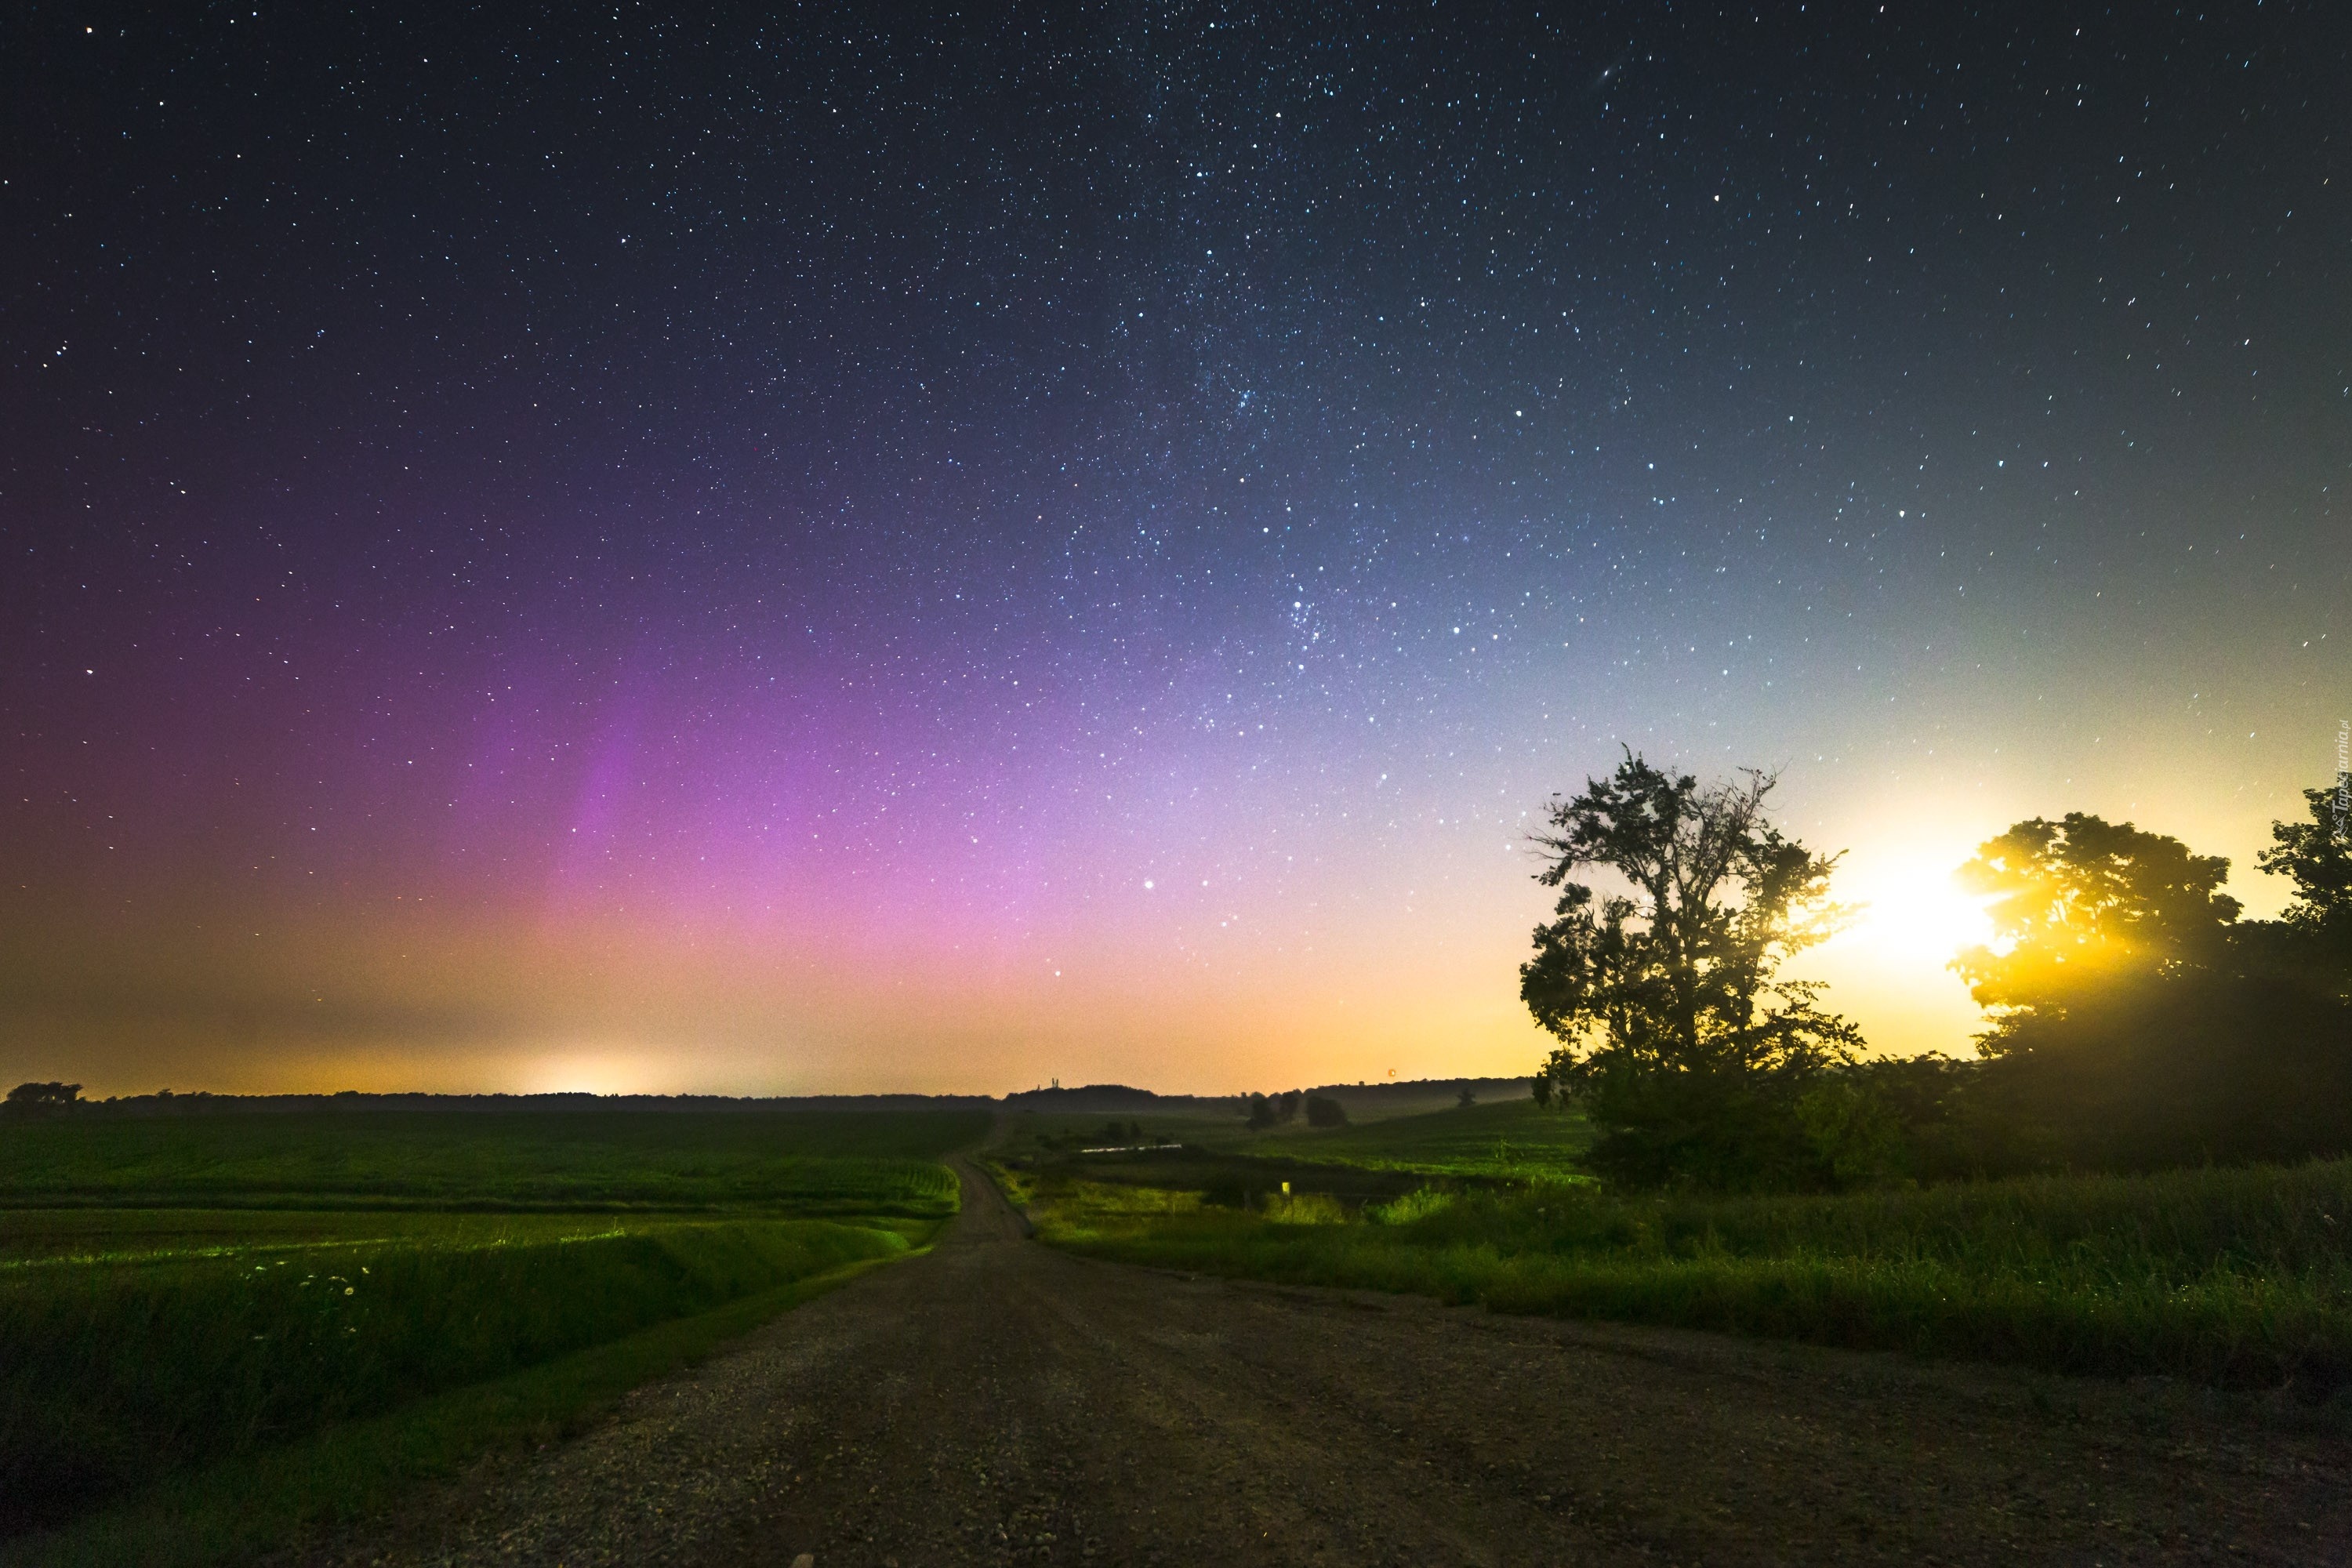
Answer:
(995, 1402)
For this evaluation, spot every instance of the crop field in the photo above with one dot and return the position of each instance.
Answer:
(177, 1291)
(2237, 1277)
(806, 1162)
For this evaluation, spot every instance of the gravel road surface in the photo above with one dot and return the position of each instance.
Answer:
(995, 1402)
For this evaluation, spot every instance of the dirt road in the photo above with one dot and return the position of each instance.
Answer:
(997, 1402)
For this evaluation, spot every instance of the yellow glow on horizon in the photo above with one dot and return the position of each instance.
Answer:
(1908, 908)
(1889, 968)
(610, 1069)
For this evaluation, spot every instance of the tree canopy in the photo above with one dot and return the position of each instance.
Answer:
(1664, 996)
(41, 1099)
(2317, 857)
(2082, 905)
(1678, 974)
(2135, 1021)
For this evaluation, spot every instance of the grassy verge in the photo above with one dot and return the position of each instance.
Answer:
(2229, 1276)
(249, 1506)
(113, 1374)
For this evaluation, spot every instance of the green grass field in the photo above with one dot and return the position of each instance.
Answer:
(1512, 1140)
(807, 1162)
(2231, 1277)
(177, 1293)
(1509, 1140)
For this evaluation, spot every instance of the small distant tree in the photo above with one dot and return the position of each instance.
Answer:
(43, 1099)
(1324, 1111)
(1674, 1029)
(1465, 1099)
(1543, 1089)
(1275, 1110)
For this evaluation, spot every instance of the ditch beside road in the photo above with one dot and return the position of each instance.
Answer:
(996, 1402)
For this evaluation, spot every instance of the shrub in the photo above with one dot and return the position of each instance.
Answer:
(2179, 1071)
(1305, 1209)
(1418, 1204)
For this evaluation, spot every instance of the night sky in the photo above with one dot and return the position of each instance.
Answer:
(876, 548)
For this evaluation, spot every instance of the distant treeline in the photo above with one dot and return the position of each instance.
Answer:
(42, 1100)
(33, 1100)
(1360, 1100)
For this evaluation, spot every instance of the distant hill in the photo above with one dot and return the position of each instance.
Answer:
(1374, 1101)
(1105, 1098)
(1363, 1101)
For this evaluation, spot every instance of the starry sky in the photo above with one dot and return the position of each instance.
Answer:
(862, 548)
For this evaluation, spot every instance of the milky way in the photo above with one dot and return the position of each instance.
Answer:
(938, 549)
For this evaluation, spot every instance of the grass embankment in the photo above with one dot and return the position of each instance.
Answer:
(340, 1275)
(252, 1505)
(117, 1376)
(2233, 1277)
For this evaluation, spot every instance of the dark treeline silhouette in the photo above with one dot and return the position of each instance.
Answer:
(1094, 1099)
(40, 1099)
(2135, 1021)
(1266, 1110)
(27, 1101)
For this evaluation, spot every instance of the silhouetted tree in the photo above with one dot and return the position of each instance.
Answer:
(33, 1100)
(2136, 1022)
(1275, 1110)
(1324, 1111)
(2315, 932)
(1467, 1098)
(2084, 906)
(1684, 1045)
